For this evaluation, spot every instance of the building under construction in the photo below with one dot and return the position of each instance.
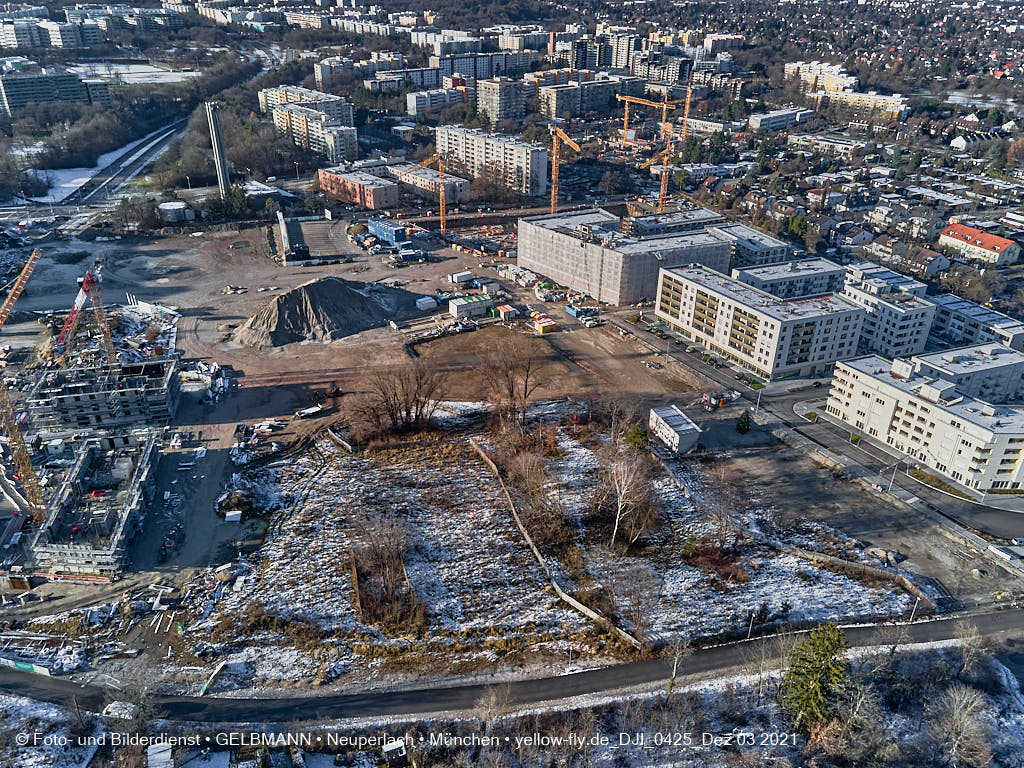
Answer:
(107, 397)
(98, 505)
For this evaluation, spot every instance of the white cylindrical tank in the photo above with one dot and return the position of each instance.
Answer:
(174, 210)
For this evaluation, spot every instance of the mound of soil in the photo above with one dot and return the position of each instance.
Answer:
(323, 310)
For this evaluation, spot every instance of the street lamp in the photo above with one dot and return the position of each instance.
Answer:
(189, 182)
(296, 164)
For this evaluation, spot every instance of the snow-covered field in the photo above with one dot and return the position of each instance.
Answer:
(693, 602)
(469, 567)
(65, 181)
(465, 560)
(134, 74)
(46, 731)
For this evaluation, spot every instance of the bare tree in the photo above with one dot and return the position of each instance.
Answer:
(403, 398)
(622, 413)
(891, 637)
(629, 483)
(721, 501)
(640, 589)
(956, 722)
(761, 656)
(678, 649)
(972, 646)
(495, 702)
(512, 373)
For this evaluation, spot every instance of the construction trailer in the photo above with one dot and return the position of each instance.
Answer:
(674, 428)
(470, 306)
(107, 397)
(98, 506)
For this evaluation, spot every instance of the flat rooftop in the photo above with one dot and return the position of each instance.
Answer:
(788, 270)
(974, 311)
(600, 226)
(999, 419)
(497, 138)
(973, 359)
(752, 238)
(876, 274)
(364, 179)
(760, 301)
(893, 298)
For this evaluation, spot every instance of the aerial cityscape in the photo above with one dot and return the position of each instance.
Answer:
(631, 384)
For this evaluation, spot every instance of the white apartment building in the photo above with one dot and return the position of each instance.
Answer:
(795, 279)
(778, 119)
(772, 337)
(418, 102)
(960, 321)
(519, 166)
(830, 83)
(313, 130)
(326, 103)
(976, 443)
(898, 319)
(501, 98)
(989, 372)
(751, 247)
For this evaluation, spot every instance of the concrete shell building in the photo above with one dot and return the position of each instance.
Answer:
(617, 260)
(105, 397)
(98, 506)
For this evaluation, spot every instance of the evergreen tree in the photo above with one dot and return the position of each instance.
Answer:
(817, 674)
(744, 423)
(635, 438)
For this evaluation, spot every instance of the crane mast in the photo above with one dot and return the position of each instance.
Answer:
(9, 420)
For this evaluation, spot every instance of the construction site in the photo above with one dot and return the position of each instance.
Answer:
(98, 506)
(84, 440)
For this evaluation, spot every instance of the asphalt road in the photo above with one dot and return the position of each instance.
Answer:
(707, 662)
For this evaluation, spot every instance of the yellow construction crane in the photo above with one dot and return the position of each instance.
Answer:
(8, 419)
(686, 113)
(665, 106)
(666, 153)
(558, 137)
(440, 184)
(664, 156)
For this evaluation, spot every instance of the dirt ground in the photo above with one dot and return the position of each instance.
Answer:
(191, 273)
(779, 477)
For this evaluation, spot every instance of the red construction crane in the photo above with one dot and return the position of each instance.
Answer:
(90, 290)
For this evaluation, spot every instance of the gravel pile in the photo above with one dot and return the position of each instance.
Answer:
(323, 310)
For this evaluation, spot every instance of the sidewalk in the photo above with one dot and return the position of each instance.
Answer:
(1005, 502)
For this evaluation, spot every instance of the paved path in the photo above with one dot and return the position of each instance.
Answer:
(708, 663)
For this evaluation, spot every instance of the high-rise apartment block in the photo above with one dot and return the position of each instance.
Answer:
(516, 165)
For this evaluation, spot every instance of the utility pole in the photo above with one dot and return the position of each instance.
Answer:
(892, 480)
